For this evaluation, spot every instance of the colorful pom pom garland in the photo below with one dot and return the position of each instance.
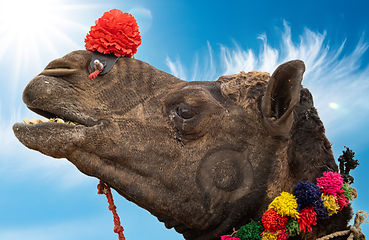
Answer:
(289, 214)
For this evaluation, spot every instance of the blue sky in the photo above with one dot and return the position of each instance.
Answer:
(44, 198)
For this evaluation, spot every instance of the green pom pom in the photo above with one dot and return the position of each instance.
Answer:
(292, 228)
(347, 191)
(250, 231)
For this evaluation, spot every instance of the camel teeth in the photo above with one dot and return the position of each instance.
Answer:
(26, 121)
(56, 120)
(42, 120)
(33, 121)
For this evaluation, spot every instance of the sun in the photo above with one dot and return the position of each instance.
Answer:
(33, 32)
(29, 28)
(26, 26)
(25, 17)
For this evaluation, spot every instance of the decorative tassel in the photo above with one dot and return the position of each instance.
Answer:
(330, 183)
(307, 193)
(273, 221)
(320, 209)
(292, 228)
(250, 231)
(330, 204)
(285, 205)
(226, 237)
(342, 200)
(307, 218)
(289, 215)
(282, 235)
(348, 191)
(269, 235)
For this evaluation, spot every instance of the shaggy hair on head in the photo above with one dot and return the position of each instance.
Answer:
(245, 88)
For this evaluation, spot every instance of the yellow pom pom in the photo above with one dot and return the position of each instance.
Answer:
(330, 203)
(285, 205)
(269, 235)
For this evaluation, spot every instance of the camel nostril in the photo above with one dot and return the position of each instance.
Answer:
(57, 72)
(60, 67)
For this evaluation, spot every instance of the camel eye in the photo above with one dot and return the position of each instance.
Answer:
(185, 113)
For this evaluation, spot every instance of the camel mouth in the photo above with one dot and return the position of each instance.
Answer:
(51, 118)
(53, 99)
(57, 134)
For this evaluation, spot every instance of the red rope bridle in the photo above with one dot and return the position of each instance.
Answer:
(103, 188)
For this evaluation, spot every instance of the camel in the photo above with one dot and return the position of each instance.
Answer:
(204, 157)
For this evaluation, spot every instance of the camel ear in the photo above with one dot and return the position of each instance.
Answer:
(281, 96)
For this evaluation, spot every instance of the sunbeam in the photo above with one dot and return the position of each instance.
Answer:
(31, 29)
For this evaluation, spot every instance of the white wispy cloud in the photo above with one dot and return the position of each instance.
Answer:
(207, 71)
(176, 67)
(338, 80)
(143, 17)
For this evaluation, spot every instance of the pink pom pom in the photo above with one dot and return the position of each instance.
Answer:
(330, 183)
(282, 235)
(226, 237)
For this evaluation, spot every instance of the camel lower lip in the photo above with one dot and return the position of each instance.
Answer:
(53, 139)
(30, 126)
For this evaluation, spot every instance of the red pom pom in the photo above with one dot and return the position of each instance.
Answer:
(307, 218)
(115, 32)
(272, 221)
(341, 200)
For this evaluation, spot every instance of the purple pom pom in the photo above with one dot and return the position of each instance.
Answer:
(320, 209)
(307, 194)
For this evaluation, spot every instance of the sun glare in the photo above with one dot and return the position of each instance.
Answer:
(333, 105)
(27, 16)
(31, 30)
(28, 24)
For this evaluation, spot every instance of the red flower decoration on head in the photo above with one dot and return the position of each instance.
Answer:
(115, 32)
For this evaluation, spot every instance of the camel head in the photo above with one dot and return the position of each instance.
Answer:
(204, 157)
